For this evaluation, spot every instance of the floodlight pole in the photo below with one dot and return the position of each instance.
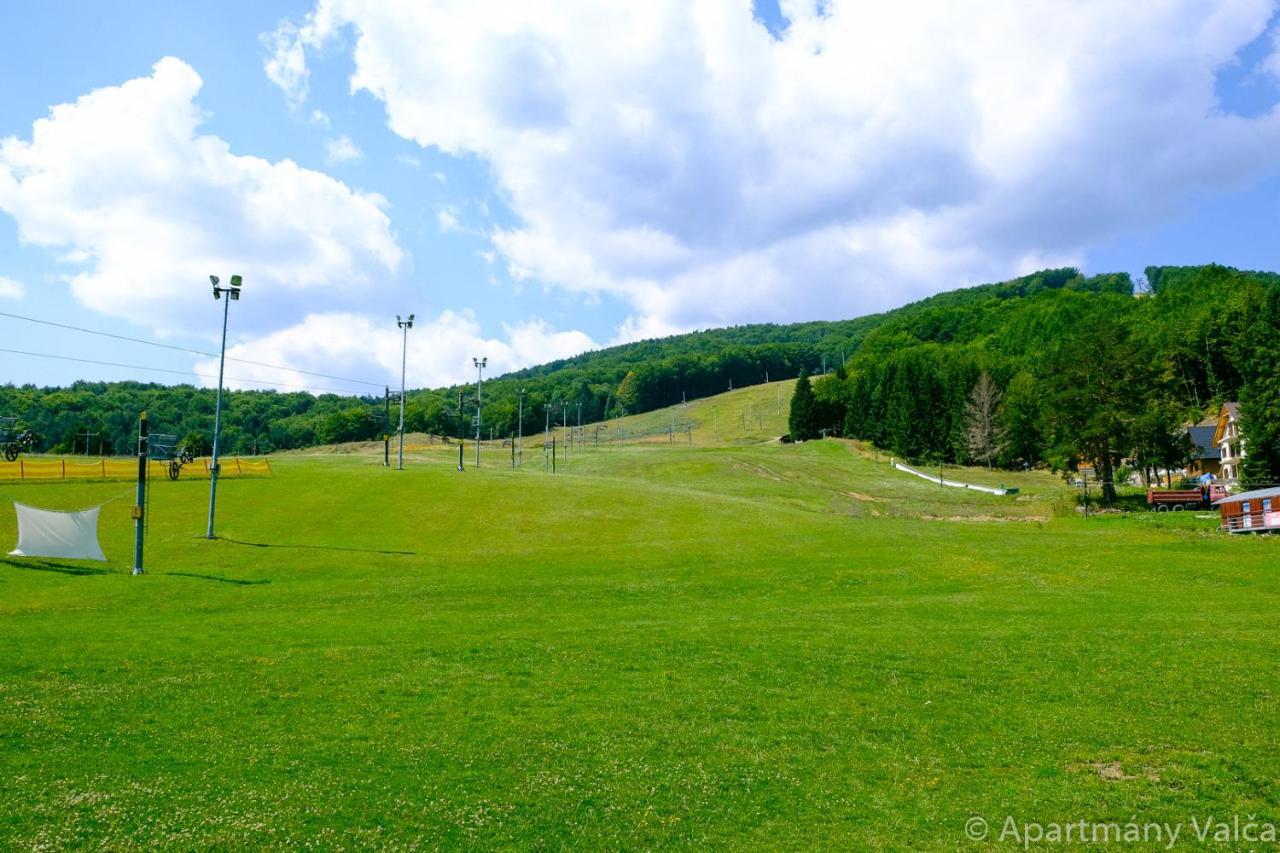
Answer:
(140, 503)
(480, 363)
(232, 293)
(405, 326)
(520, 427)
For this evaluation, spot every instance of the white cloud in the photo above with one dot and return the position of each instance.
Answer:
(319, 118)
(678, 156)
(286, 66)
(447, 220)
(1271, 64)
(341, 150)
(143, 208)
(10, 289)
(408, 160)
(439, 351)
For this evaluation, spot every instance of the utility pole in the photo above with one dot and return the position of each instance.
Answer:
(86, 435)
(233, 295)
(140, 503)
(386, 425)
(564, 422)
(405, 326)
(480, 363)
(520, 427)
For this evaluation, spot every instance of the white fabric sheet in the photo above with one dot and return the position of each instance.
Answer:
(67, 535)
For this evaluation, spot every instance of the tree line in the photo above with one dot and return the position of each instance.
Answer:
(1065, 370)
(1053, 368)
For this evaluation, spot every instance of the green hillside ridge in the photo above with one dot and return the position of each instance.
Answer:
(1187, 344)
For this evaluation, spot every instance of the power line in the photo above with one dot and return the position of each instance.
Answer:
(343, 391)
(186, 349)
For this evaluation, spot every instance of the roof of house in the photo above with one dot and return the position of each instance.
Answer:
(1202, 436)
(1255, 495)
(1231, 411)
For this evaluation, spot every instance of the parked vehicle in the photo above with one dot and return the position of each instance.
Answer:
(1166, 500)
(14, 441)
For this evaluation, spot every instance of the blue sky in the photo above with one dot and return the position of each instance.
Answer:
(533, 181)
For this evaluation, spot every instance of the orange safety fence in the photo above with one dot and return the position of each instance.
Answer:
(126, 469)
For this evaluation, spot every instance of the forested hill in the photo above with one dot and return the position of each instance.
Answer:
(909, 370)
(1077, 371)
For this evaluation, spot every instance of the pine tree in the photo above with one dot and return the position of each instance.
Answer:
(984, 436)
(1260, 400)
(802, 418)
(1020, 419)
(1099, 389)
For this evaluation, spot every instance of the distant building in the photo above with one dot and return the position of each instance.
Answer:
(1251, 512)
(1231, 445)
(1206, 455)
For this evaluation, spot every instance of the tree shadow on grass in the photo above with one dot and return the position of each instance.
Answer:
(318, 547)
(37, 565)
(235, 581)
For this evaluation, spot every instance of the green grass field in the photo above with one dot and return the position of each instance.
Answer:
(753, 645)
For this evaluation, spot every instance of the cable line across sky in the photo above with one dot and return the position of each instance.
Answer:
(186, 350)
(179, 372)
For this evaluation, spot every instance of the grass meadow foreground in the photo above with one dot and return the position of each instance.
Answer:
(753, 646)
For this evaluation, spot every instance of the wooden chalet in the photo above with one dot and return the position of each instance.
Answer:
(1251, 512)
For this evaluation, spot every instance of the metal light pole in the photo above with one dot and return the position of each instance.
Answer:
(480, 364)
(520, 426)
(140, 502)
(233, 295)
(405, 326)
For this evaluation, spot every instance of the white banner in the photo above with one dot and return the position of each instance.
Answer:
(66, 535)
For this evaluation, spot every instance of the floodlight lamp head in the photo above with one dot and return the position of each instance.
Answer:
(217, 294)
(235, 294)
(237, 281)
(214, 279)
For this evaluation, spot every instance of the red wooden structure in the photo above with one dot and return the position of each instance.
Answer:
(1251, 512)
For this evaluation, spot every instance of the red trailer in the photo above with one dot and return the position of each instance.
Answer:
(1180, 499)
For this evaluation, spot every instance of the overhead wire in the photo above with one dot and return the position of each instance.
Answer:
(188, 350)
(345, 391)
